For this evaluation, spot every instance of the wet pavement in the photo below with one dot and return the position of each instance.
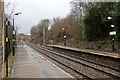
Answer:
(30, 64)
(0, 75)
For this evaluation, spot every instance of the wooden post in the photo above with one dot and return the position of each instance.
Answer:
(3, 45)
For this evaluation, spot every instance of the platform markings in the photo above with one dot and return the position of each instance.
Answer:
(53, 64)
(56, 66)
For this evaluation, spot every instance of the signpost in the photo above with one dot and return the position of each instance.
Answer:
(112, 33)
(6, 47)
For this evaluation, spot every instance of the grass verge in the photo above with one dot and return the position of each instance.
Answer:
(10, 63)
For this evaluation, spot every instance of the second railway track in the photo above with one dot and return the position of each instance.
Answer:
(86, 69)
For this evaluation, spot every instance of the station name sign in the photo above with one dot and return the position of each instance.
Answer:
(112, 33)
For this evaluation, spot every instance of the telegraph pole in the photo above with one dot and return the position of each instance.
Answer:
(44, 37)
(3, 43)
(44, 32)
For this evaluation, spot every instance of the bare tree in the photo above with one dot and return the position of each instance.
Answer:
(9, 9)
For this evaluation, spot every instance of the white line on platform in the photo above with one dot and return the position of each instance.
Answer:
(55, 65)
(60, 69)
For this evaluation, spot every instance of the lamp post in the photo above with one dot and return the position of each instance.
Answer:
(14, 32)
(112, 33)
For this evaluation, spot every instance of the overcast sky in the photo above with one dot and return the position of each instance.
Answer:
(35, 10)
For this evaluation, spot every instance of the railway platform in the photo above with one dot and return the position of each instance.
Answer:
(100, 53)
(0, 75)
(30, 64)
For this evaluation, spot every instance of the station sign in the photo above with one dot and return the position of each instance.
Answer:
(13, 32)
(112, 33)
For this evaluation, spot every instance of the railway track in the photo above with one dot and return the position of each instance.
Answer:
(87, 69)
(111, 70)
(109, 62)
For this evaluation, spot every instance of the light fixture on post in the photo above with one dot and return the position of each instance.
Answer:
(14, 33)
(109, 18)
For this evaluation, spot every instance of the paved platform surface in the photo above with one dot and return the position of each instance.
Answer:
(0, 75)
(102, 53)
(30, 64)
